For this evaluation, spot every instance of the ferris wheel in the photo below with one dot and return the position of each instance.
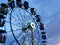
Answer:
(23, 22)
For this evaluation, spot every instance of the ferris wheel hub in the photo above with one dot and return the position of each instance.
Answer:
(31, 25)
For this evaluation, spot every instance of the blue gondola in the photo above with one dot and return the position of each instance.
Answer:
(19, 3)
(44, 37)
(2, 37)
(41, 26)
(2, 16)
(3, 10)
(32, 11)
(11, 3)
(43, 32)
(2, 22)
(26, 5)
(4, 5)
(44, 44)
(44, 41)
(2, 31)
(38, 18)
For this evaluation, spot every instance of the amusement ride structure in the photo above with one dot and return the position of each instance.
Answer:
(24, 22)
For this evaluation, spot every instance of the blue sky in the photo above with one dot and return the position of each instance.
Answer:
(50, 14)
(49, 11)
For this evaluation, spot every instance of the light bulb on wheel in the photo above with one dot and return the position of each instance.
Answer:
(32, 25)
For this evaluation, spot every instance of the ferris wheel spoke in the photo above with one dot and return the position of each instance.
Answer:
(22, 20)
(13, 18)
(19, 24)
(16, 37)
(8, 38)
(19, 19)
(30, 14)
(16, 20)
(24, 16)
(14, 30)
(13, 24)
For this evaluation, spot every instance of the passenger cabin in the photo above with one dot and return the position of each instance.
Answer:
(19, 3)
(2, 36)
(44, 37)
(4, 9)
(41, 26)
(26, 5)
(2, 22)
(4, 5)
(38, 18)
(43, 32)
(32, 11)
(2, 16)
(11, 3)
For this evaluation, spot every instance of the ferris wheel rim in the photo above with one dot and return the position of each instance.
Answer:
(12, 28)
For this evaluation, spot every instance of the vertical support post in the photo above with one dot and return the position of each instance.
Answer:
(32, 37)
(24, 38)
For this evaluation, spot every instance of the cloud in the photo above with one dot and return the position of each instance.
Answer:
(54, 41)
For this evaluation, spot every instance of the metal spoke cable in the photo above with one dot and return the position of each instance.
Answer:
(18, 19)
(13, 24)
(12, 29)
(21, 17)
(16, 37)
